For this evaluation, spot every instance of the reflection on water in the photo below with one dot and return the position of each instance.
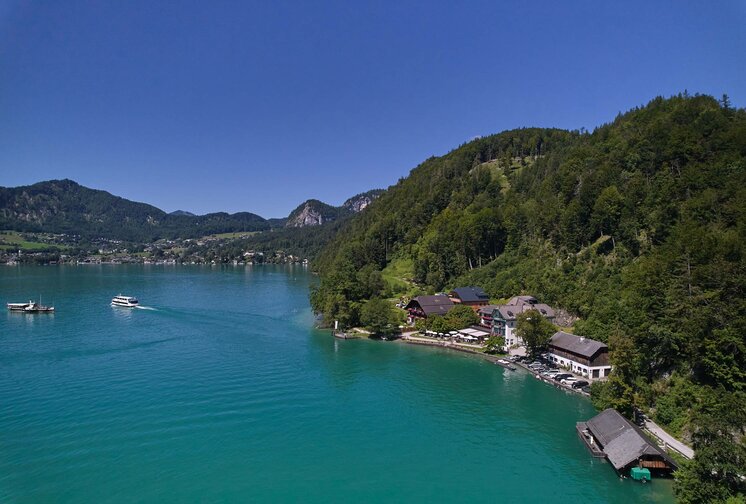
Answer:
(122, 313)
(28, 319)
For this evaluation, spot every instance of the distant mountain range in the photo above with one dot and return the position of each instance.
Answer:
(64, 206)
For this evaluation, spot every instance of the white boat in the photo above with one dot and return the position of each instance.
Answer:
(30, 307)
(124, 301)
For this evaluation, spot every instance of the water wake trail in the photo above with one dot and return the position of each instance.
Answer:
(146, 308)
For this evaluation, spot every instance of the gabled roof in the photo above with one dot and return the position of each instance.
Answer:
(511, 311)
(627, 448)
(577, 345)
(487, 310)
(470, 294)
(521, 300)
(621, 441)
(432, 305)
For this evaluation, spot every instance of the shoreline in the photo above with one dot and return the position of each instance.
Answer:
(408, 340)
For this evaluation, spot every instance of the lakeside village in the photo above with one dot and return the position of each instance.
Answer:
(568, 361)
(48, 248)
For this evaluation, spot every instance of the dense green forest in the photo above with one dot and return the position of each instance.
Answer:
(638, 228)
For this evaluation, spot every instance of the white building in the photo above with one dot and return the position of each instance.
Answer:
(583, 356)
(504, 317)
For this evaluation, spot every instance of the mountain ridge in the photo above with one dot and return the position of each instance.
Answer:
(67, 207)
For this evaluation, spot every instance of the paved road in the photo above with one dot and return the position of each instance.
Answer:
(669, 439)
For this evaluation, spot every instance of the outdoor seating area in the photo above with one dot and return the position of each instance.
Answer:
(469, 335)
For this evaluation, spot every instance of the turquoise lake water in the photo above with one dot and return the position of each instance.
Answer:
(222, 391)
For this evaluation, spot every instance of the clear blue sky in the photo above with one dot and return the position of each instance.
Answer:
(257, 106)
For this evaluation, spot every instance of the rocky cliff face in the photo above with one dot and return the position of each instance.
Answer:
(307, 216)
(312, 213)
(358, 202)
(315, 213)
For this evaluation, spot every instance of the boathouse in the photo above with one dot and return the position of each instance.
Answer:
(583, 356)
(623, 444)
(469, 296)
(423, 307)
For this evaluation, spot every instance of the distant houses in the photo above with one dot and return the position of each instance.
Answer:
(584, 356)
(422, 307)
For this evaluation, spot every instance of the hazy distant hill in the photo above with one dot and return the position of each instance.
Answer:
(183, 213)
(64, 206)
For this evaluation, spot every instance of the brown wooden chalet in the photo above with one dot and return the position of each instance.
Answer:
(427, 306)
(623, 444)
(469, 296)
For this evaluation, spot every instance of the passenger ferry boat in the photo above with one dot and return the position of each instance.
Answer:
(30, 307)
(124, 301)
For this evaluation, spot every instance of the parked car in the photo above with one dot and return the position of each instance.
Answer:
(562, 376)
(569, 380)
(579, 384)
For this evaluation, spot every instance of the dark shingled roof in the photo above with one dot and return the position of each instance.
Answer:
(470, 294)
(622, 442)
(575, 344)
(432, 305)
(487, 310)
(511, 311)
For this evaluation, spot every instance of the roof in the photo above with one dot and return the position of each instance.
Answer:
(521, 300)
(432, 305)
(577, 345)
(470, 294)
(627, 448)
(622, 442)
(511, 311)
(487, 310)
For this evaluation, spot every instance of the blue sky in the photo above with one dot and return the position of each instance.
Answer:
(257, 106)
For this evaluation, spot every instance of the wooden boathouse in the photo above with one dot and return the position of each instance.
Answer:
(623, 444)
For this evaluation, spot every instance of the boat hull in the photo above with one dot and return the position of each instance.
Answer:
(122, 305)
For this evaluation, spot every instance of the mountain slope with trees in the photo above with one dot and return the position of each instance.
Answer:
(64, 206)
(638, 228)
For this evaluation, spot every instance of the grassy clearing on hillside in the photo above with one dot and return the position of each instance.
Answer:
(229, 236)
(12, 240)
(398, 276)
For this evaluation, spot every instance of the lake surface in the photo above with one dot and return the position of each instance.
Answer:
(222, 391)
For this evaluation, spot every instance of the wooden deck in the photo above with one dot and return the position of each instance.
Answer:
(582, 429)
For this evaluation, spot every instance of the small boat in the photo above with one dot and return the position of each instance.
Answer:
(124, 301)
(34, 307)
(30, 307)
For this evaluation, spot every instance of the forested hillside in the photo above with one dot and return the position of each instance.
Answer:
(638, 228)
(64, 206)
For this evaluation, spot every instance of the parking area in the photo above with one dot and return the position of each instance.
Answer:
(549, 372)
